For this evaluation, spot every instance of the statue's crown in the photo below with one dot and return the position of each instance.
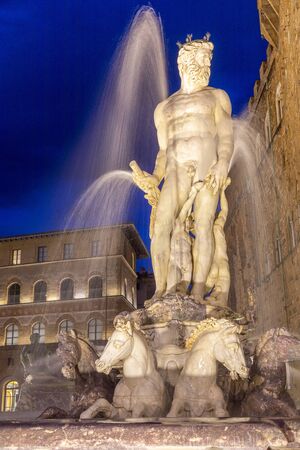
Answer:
(197, 43)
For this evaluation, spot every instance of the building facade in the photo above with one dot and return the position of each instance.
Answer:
(61, 280)
(263, 229)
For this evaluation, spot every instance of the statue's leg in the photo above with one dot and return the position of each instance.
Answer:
(138, 410)
(216, 398)
(174, 193)
(197, 409)
(52, 412)
(100, 406)
(176, 408)
(204, 210)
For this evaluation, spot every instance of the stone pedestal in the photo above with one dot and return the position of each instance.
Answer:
(253, 435)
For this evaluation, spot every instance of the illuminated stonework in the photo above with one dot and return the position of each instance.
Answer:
(45, 291)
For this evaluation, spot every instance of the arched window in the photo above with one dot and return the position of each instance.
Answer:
(66, 325)
(10, 396)
(12, 334)
(14, 292)
(39, 327)
(67, 289)
(95, 329)
(40, 291)
(95, 287)
(279, 104)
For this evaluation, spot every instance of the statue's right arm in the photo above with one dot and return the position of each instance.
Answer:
(162, 137)
(141, 178)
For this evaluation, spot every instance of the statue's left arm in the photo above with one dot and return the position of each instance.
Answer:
(218, 173)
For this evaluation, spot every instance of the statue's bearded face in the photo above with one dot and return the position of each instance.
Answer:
(194, 65)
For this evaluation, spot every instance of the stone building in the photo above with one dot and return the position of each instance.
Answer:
(61, 280)
(263, 229)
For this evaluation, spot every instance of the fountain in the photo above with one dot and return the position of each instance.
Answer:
(171, 350)
(186, 315)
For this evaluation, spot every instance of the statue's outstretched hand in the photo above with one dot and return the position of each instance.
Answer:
(217, 176)
(146, 182)
(142, 179)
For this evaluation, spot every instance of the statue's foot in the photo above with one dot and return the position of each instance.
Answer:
(100, 406)
(53, 412)
(197, 294)
(156, 297)
(221, 413)
(198, 299)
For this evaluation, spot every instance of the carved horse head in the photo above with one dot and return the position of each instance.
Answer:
(125, 341)
(276, 346)
(77, 355)
(219, 339)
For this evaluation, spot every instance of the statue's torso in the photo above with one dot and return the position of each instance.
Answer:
(191, 130)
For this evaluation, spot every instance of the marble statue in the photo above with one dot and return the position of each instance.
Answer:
(218, 280)
(34, 358)
(77, 359)
(196, 392)
(267, 394)
(195, 136)
(171, 351)
(43, 385)
(141, 391)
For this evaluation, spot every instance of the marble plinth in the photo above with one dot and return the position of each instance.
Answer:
(173, 434)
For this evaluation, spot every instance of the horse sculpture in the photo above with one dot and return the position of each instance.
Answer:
(78, 364)
(196, 392)
(267, 394)
(141, 391)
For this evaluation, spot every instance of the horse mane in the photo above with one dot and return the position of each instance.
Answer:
(70, 346)
(207, 325)
(267, 336)
(88, 344)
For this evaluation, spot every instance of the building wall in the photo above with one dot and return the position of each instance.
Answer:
(115, 262)
(263, 230)
(112, 241)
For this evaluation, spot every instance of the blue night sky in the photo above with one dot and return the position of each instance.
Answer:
(54, 56)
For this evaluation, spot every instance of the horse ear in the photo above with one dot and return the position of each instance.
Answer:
(129, 328)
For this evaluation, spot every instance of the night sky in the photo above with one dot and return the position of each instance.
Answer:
(54, 57)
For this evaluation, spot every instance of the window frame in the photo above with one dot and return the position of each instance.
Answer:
(16, 257)
(42, 253)
(15, 395)
(41, 326)
(95, 329)
(67, 328)
(94, 277)
(13, 296)
(34, 291)
(14, 334)
(68, 250)
(60, 289)
(95, 250)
